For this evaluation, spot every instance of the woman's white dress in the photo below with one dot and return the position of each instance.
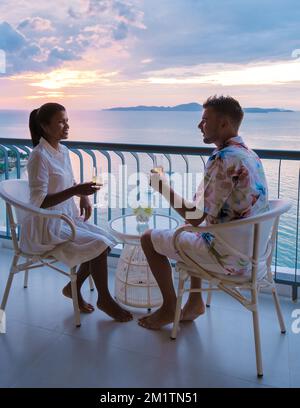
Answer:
(49, 172)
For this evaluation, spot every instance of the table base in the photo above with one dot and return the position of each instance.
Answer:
(134, 284)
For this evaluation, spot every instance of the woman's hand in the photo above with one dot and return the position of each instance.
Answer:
(86, 189)
(85, 207)
(158, 181)
(82, 189)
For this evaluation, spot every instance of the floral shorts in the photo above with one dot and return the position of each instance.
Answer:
(193, 245)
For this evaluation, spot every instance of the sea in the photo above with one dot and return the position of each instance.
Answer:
(272, 130)
(279, 130)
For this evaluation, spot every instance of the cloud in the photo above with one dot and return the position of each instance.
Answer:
(283, 72)
(51, 38)
(96, 6)
(19, 50)
(36, 24)
(58, 55)
(129, 14)
(120, 32)
(194, 32)
(175, 42)
(63, 78)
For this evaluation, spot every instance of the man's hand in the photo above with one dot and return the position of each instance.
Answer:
(85, 207)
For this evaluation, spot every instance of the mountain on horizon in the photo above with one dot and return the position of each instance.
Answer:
(188, 107)
(184, 107)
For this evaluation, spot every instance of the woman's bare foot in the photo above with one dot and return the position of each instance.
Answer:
(158, 319)
(112, 309)
(84, 307)
(193, 308)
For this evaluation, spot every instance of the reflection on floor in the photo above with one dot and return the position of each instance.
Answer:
(42, 348)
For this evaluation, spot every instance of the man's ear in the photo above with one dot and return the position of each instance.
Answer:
(225, 122)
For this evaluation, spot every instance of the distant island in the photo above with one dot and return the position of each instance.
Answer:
(266, 110)
(188, 107)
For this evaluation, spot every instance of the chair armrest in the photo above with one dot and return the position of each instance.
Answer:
(70, 222)
(30, 208)
(279, 207)
(56, 214)
(211, 228)
(41, 212)
(185, 228)
(191, 228)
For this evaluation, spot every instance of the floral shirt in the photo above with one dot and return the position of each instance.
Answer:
(234, 187)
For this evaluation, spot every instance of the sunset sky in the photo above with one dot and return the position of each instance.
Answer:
(93, 54)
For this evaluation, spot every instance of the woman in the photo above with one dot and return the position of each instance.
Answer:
(52, 186)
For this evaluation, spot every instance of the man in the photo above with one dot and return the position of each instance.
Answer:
(234, 187)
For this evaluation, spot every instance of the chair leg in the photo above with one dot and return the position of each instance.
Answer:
(75, 297)
(26, 278)
(91, 283)
(7, 290)
(9, 282)
(26, 274)
(209, 296)
(180, 292)
(278, 310)
(255, 317)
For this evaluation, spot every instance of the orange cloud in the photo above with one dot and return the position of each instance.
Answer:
(63, 78)
(267, 73)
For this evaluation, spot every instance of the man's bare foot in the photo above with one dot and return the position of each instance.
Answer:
(193, 308)
(84, 307)
(112, 309)
(158, 319)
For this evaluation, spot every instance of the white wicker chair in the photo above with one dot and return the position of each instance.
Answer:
(16, 195)
(259, 236)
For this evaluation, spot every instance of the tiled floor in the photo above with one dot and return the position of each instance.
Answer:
(42, 348)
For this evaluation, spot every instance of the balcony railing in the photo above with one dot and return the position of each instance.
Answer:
(124, 162)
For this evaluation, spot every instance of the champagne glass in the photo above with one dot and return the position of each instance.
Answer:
(98, 179)
(158, 167)
(158, 164)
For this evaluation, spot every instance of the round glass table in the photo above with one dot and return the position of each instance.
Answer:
(134, 283)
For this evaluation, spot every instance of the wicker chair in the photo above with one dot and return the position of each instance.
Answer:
(258, 237)
(16, 195)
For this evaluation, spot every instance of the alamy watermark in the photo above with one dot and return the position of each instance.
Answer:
(124, 190)
(296, 54)
(2, 322)
(2, 62)
(296, 323)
